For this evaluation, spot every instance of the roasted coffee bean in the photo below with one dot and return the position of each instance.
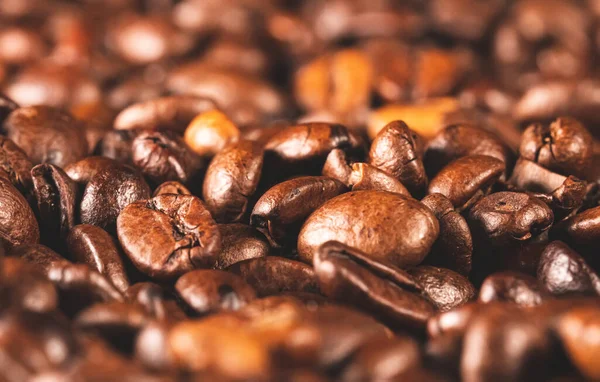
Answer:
(565, 146)
(453, 248)
(84, 170)
(582, 232)
(467, 179)
(271, 275)
(337, 166)
(507, 217)
(367, 177)
(166, 113)
(47, 135)
(55, 194)
(210, 132)
(210, 291)
(116, 145)
(396, 151)
(563, 271)
(169, 235)
(578, 330)
(26, 287)
(163, 156)
(453, 322)
(231, 180)
(461, 140)
(445, 288)
(515, 287)
(240, 242)
(156, 301)
(108, 193)
(171, 187)
(17, 221)
(93, 246)
(15, 166)
(284, 207)
(375, 286)
(386, 226)
(303, 148)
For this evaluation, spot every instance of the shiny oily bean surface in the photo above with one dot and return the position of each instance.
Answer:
(84, 170)
(444, 287)
(579, 331)
(168, 235)
(18, 224)
(231, 180)
(240, 242)
(15, 165)
(210, 291)
(509, 286)
(171, 187)
(367, 177)
(375, 223)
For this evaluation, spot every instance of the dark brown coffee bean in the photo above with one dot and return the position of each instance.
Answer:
(17, 221)
(55, 194)
(453, 322)
(171, 187)
(396, 151)
(156, 301)
(116, 144)
(467, 179)
(15, 165)
(210, 291)
(529, 176)
(93, 246)
(563, 271)
(231, 180)
(271, 275)
(582, 232)
(383, 360)
(508, 217)
(163, 156)
(302, 148)
(26, 287)
(367, 177)
(240, 242)
(578, 330)
(386, 226)
(453, 248)
(284, 207)
(457, 141)
(47, 135)
(169, 235)
(84, 170)
(565, 146)
(491, 335)
(346, 280)
(165, 113)
(445, 288)
(515, 287)
(337, 167)
(108, 193)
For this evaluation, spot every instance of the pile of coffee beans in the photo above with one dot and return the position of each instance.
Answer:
(303, 191)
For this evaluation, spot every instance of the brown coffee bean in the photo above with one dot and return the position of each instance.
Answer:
(374, 222)
(15, 165)
(165, 113)
(581, 231)
(116, 145)
(444, 287)
(18, 223)
(337, 166)
(579, 332)
(97, 118)
(510, 286)
(231, 180)
(210, 132)
(156, 301)
(565, 146)
(210, 291)
(453, 322)
(284, 207)
(272, 275)
(348, 281)
(168, 235)
(453, 248)
(460, 140)
(108, 193)
(28, 288)
(367, 177)
(85, 169)
(240, 242)
(563, 271)
(47, 135)
(302, 148)
(396, 150)
(171, 187)
(163, 156)
(93, 246)
(467, 179)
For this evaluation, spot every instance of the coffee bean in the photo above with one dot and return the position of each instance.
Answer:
(93, 246)
(284, 207)
(84, 170)
(15, 166)
(47, 135)
(367, 177)
(17, 221)
(515, 287)
(171, 187)
(231, 180)
(240, 242)
(445, 288)
(26, 287)
(168, 235)
(272, 275)
(578, 330)
(209, 291)
(582, 232)
(386, 226)
(116, 145)
(396, 150)
(156, 301)
(337, 166)
(108, 193)
(210, 132)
